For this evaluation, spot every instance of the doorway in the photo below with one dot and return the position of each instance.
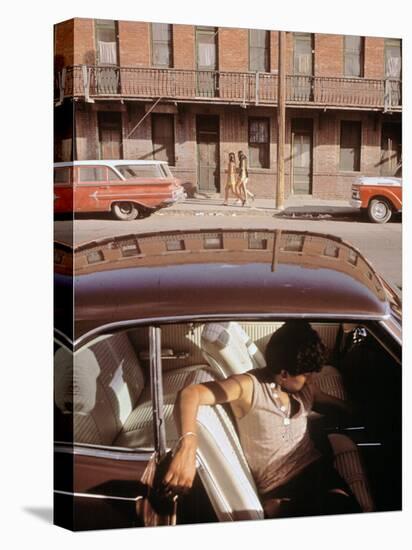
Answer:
(302, 156)
(110, 135)
(208, 176)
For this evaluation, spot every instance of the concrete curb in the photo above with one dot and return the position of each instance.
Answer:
(294, 211)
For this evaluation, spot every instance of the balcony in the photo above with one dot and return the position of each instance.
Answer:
(92, 82)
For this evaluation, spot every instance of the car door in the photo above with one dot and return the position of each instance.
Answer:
(63, 189)
(91, 189)
(98, 483)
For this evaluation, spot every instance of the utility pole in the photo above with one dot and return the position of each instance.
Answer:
(280, 184)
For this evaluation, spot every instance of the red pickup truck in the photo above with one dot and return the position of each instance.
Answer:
(379, 196)
(129, 189)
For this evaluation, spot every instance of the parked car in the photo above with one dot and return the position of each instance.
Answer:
(158, 311)
(379, 196)
(127, 188)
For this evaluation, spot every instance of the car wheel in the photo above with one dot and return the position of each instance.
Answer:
(125, 211)
(379, 211)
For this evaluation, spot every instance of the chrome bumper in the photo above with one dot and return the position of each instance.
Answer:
(356, 203)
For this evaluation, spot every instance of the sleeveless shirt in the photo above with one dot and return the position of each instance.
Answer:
(275, 451)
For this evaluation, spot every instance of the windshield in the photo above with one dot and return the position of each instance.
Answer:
(129, 171)
(166, 170)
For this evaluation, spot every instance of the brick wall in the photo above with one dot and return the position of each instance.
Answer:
(75, 43)
(64, 44)
(84, 43)
(328, 54)
(328, 181)
(233, 46)
(274, 53)
(184, 47)
(134, 44)
(374, 57)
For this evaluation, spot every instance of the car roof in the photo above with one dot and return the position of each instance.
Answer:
(107, 162)
(180, 275)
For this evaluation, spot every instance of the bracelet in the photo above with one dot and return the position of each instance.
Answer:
(182, 437)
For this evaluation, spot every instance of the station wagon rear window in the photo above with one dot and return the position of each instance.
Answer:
(129, 171)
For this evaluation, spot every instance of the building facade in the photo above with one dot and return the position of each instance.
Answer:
(192, 94)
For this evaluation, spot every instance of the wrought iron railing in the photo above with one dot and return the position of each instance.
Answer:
(244, 88)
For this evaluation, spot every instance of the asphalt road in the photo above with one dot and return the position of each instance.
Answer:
(381, 244)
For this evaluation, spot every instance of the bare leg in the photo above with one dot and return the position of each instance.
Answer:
(226, 195)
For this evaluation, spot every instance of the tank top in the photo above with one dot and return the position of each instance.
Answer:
(275, 451)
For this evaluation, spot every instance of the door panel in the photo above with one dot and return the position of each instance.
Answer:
(110, 135)
(302, 162)
(208, 154)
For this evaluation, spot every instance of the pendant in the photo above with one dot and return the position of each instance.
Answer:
(286, 421)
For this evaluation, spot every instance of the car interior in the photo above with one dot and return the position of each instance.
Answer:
(107, 398)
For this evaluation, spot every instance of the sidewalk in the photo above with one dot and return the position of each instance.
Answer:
(303, 206)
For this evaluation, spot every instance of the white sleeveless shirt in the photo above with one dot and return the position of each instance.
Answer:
(276, 450)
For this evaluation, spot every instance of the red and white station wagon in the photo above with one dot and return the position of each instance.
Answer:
(127, 188)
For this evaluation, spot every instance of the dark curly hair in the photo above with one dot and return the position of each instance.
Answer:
(296, 348)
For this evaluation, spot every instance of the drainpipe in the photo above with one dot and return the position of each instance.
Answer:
(280, 183)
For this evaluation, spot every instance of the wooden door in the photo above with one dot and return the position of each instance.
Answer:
(302, 172)
(208, 154)
(110, 135)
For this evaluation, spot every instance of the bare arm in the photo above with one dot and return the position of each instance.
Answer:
(325, 403)
(182, 469)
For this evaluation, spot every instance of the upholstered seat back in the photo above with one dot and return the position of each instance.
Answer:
(99, 387)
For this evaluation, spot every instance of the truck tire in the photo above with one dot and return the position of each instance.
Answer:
(379, 211)
(125, 211)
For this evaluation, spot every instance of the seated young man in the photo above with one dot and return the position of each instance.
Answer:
(271, 407)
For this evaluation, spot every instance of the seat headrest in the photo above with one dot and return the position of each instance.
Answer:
(75, 381)
(229, 348)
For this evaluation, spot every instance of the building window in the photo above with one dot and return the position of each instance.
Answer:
(350, 146)
(106, 43)
(393, 58)
(162, 49)
(95, 256)
(213, 242)
(331, 250)
(175, 245)
(129, 248)
(259, 44)
(163, 138)
(352, 257)
(257, 243)
(302, 54)
(206, 57)
(259, 143)
(294, 243)
(353, 55)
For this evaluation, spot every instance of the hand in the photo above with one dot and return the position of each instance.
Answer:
(182, 470)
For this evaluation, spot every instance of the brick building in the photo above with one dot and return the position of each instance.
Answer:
(191, 94)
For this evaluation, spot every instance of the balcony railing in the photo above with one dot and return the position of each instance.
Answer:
(90, 82)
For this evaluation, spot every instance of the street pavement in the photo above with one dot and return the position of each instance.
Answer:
(381, 244)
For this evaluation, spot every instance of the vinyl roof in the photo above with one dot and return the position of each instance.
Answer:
(219, 274)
